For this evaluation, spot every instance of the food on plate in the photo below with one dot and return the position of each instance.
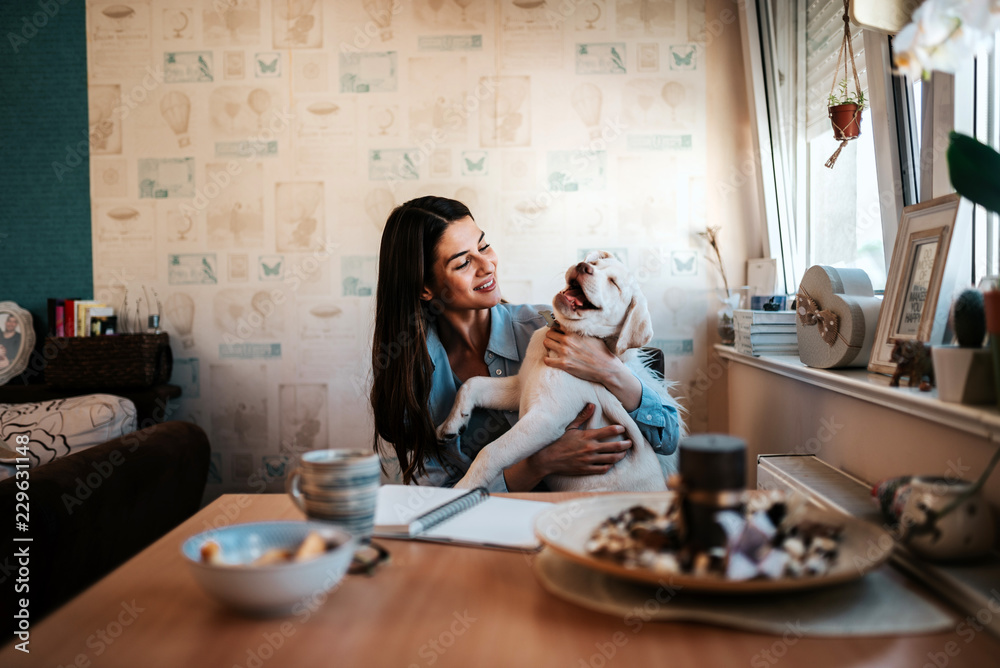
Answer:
(311, 547)
(769, 538)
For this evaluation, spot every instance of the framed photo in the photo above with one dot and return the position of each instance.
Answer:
(17, 340)
(916, 279)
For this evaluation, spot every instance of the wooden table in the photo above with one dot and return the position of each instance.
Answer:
(433, 605)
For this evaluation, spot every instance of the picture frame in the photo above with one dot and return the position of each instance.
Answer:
(919, 274)
(17, 340)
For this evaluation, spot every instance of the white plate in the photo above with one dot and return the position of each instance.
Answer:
(566, 528)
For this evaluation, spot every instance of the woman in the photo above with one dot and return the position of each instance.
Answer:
(439, 320)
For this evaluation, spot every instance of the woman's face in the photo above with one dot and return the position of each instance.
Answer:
(464, 269)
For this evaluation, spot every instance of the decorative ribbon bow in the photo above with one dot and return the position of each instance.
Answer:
(810, 314)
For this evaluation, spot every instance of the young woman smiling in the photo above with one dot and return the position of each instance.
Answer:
(440, 320)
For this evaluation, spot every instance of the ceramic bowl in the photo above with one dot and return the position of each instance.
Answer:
(273, 589)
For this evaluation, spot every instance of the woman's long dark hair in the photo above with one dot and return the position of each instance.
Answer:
(401, 363)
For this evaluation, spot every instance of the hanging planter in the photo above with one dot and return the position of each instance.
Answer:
(844, 107)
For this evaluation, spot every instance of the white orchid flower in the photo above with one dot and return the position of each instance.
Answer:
(945, 33)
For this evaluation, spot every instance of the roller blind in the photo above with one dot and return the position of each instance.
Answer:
(824, 32)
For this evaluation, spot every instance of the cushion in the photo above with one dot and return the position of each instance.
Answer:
(59, 427)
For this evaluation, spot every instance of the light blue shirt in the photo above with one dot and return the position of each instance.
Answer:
(511, 327)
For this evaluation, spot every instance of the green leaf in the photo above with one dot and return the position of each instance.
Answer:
(974, 169)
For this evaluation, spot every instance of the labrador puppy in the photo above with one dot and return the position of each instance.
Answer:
(601, 299)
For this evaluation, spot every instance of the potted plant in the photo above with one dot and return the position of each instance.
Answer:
(964, 372)
(844, 109)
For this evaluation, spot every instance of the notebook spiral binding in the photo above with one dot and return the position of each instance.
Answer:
(456, 506)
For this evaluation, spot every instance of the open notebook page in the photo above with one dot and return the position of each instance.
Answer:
(496, 522)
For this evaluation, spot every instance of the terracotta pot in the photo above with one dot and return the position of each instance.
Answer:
(846, 121)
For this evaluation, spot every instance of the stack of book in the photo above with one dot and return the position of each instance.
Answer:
(765, 332)
(80, 317)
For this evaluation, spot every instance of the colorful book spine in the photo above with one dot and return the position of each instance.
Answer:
(69, 318)
(60, 318)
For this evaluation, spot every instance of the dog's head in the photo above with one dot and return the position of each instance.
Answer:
(602, 299)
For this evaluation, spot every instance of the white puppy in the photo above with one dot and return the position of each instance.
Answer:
(603, 300)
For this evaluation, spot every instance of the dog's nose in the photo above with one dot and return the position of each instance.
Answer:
(584, 268)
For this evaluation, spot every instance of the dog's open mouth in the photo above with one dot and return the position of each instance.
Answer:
(575, 297)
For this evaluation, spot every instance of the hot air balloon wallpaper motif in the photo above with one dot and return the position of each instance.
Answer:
(586, 100)
(505, 114)
(437, 99)
(379, 202)
(298, 24)
(673, 93)
(238, 411)
(175, 107)
(240, 112)
(298, 216)
(303, 410)
(259, 101)
(644, 18)
(105, 121)
(178, 313)
(235, 216)
(231, 22)
(455, 14)
(381, 12)
(241, 314)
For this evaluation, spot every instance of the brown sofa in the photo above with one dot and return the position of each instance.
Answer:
(92, 510)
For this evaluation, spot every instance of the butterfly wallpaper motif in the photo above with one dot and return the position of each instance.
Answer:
(261, 146)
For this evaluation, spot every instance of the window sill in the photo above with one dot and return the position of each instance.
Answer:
(981, 421)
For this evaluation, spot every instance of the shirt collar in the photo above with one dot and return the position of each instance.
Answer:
(502, 340)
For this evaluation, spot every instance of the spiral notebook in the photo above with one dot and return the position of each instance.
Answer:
(459, 516)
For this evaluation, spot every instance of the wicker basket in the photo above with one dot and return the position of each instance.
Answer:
(97, 362)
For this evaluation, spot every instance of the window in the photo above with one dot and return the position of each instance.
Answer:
(827, 216)
(976, 112)
(847, 216)
(986, 121)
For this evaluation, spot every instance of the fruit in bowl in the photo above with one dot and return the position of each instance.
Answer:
(266, 568)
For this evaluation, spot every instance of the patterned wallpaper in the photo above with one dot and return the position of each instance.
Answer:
(245, 155)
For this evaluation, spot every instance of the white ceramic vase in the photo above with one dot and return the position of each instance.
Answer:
(966, 532)
(964, 375)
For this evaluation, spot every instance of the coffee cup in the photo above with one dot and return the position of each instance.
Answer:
(338, 486)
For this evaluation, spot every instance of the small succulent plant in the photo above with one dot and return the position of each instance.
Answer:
(968, 319)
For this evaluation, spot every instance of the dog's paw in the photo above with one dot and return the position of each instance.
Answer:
(448, 431)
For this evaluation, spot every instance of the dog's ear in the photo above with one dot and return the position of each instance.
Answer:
(637, 329)
(594, 256)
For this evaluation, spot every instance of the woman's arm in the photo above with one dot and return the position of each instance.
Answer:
(590, 359)
(580, 451)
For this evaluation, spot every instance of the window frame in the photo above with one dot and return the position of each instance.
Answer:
(786, 218)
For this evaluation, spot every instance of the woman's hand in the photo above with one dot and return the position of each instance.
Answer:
(580, 450)
(577, 452)
(588, 358)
